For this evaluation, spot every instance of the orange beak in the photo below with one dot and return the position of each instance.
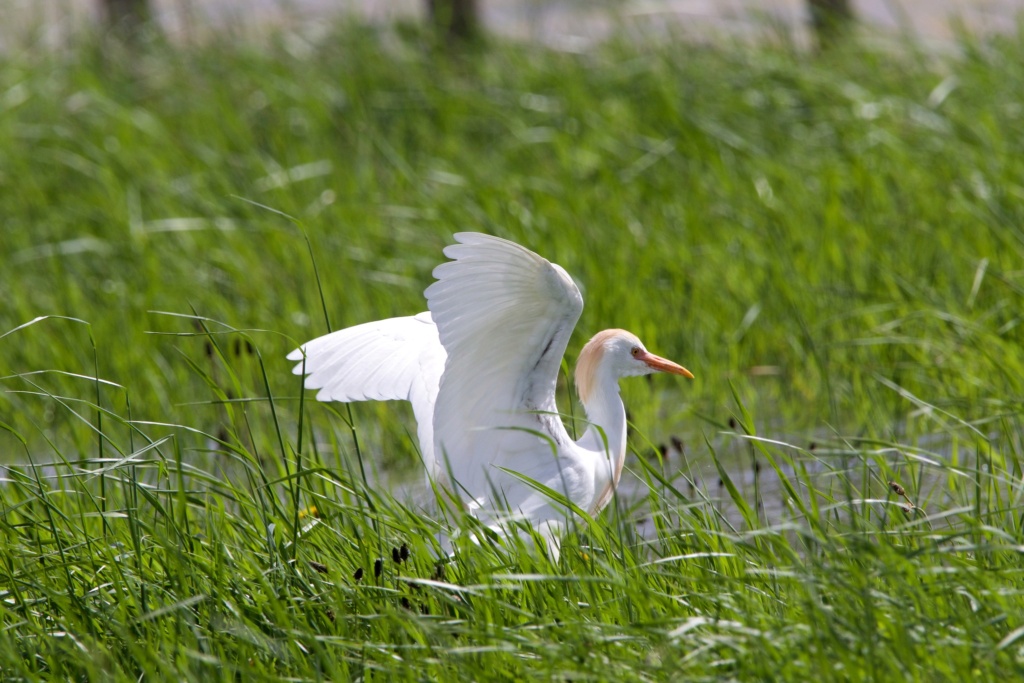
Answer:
(663, 365)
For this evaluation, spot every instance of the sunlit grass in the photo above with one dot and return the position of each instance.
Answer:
(833, 245)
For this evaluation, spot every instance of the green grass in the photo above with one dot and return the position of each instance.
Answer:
(834, 246)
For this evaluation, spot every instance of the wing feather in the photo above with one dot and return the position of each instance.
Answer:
(504, 315)
(398, 359)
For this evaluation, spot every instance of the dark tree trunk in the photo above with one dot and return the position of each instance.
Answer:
(126, 16)
(830, 19)
(455, 19)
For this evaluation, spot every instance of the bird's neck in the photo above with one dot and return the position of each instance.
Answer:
(606, 434)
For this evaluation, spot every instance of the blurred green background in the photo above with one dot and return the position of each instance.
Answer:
(814, 230)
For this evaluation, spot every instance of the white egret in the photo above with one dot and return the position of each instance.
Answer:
(480, 369)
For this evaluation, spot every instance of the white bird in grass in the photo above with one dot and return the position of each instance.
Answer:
(480, 370)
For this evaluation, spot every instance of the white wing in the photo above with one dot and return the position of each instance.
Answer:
(397, 359)
(504, 315)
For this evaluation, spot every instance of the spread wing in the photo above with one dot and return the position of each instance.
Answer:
(395, 359)
(504, 315)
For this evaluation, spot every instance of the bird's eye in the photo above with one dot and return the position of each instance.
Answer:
(635, 351)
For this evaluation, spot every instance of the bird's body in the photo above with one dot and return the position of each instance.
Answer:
(480, 370)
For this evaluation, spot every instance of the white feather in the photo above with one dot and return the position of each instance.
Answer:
(504, 315)
(398, 359)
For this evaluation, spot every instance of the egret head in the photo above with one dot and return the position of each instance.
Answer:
(619, 354)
